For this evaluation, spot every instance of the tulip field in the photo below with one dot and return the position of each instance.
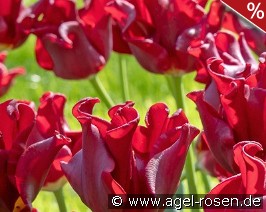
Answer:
(113, 105)
(142, 84)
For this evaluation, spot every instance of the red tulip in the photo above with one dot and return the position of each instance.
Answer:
(24, 165)
(251, 179)
(106, 162)
(7, 77)
(119, 157)
(50, 119)
(223, 45)
(11, 34)
(255, 37)
(73, 46)
(232, 108)
(157, 34)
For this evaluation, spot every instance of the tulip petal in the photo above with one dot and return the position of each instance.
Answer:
(150, 55)
(32, 169)
(7, 77)
(88, 171)
(42, 55)
(50, 115)
(18, 116)
(68, 55)
(164, 169)
(232, 185)
(219, 136)
(11, 34)
(55, 178)
(156, 119)
(256, 114)
(252, 168)
(250, 181)
(8, 192)
(206, 160)
(119, 141)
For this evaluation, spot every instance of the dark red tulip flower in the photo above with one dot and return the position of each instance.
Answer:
(120, 157)
(105, 164)
(74, 44)
(7, 77)
(234, 52)
(24, 164)
(50, 119)
(11, 33)
(232, 108)
(255, 37)
(159, 32)
(250, 180)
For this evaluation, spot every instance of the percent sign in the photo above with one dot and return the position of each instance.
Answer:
(255, 9)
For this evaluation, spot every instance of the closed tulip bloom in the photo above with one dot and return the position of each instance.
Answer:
(158, 33)
(232, 108)
(24, 164)
(69, 42)
(120, 157)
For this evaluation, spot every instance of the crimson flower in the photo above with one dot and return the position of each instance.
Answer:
(11, 34)
(255, 37)
(223, 44)
(24, 163)
(7, 77)
(250, 180)
(74, 44)
(50, 119)
(158, 33)
(120, 157)
(232, 108)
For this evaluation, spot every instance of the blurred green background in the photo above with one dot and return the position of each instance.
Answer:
(145, 89)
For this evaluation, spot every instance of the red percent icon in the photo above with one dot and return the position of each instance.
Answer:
(252, 10)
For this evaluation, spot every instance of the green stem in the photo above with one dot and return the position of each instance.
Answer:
(123, 75)
(170, 84)
(178, 92)
(60, 200)
(206, 181)
(104, 96)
